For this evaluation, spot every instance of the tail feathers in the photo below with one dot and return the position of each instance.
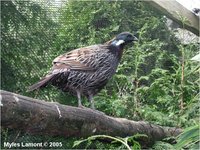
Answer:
(42, 83)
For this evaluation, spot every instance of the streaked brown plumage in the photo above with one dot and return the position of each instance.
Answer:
(85, 71)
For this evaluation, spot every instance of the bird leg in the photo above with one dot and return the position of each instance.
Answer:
(79, 98)
(90, 98)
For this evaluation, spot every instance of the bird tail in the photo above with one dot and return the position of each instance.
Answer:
(42, 83)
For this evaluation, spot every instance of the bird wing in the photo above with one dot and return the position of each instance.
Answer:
(82, 59)
(78, 59)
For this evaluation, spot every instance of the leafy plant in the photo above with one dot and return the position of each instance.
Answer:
(189, 139)
(160, 145)
(124, 141)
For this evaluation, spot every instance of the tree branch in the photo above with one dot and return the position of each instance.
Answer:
(48, 118)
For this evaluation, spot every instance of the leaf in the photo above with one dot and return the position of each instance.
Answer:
(160, 145)
(116, 28)
(143, 78)
(195, 146)
(190, 135)
(78, 142)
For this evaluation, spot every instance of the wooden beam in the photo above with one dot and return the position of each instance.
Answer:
(175, 11)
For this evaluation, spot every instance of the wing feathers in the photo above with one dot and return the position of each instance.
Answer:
(78, 60)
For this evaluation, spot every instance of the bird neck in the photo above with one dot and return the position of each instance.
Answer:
(116, 48)
(118, 43)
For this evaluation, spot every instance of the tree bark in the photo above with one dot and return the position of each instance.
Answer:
(48, 118)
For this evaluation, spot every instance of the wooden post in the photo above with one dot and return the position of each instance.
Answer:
(175, 11)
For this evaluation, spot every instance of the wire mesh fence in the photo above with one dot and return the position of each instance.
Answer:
(33, 33)
(154, 77)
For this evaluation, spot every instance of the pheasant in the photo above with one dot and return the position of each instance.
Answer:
(85, 71)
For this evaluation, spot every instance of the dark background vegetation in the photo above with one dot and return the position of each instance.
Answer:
(156, 81)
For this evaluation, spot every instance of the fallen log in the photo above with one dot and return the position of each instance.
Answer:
(49, 118)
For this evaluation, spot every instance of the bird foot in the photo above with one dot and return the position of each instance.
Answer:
(97, 111)
(81, 106)
(91, 109)
(100, 112)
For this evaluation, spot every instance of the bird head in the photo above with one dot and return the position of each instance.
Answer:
(122, 39)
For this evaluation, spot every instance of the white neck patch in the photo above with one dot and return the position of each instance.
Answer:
(119, 42)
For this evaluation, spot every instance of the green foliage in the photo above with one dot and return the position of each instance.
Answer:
(8, 135)
(159, 145)
(155, 81)
(189, 139)
(27, 41)
(126, 143)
